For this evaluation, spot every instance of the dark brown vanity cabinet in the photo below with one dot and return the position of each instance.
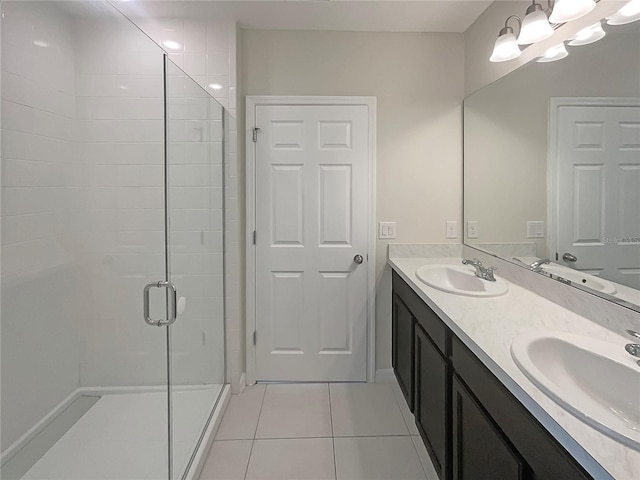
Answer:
(431, 399)
(403, 325)
(471, 425)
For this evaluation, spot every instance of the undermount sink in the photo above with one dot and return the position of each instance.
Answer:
(460, 280)
(581, 278)
(594, 380)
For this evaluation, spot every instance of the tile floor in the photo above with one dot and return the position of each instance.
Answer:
(318, 431)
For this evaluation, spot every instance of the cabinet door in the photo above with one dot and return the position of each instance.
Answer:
(431, 401)
(402, 348)
(480, 449)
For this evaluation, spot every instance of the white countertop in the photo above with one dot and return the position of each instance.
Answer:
(488, 325)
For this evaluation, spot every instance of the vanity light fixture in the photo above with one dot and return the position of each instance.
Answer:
(506, 46)
(554, 53)
(627, 14)
(535, 26)
(588, 35)
(567, 10)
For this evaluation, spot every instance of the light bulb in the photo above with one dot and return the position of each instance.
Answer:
(505, 48)
(627, 14)
(554, 53)
(535, 26)
(588, 35)
(567, 10)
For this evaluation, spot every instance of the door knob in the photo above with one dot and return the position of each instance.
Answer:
(567, 257)
(358, 259)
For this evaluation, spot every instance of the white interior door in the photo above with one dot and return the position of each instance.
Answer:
(599, 190)
(312, 194)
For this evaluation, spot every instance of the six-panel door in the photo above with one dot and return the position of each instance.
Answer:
(312, 194)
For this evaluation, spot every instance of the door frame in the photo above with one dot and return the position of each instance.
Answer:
(253, 101)
(552, 154)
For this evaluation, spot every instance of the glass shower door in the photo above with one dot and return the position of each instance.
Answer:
(194, 176)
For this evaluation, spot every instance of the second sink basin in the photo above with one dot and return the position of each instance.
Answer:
(594, 380)
(460, 280)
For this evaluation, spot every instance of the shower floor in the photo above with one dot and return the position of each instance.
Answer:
(124, 437)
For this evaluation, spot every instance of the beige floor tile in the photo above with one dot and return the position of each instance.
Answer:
(425, 460)
(294, 411)
(292, 459)
(365, 410)
(227, 460)
(241, 417)
(377, 458)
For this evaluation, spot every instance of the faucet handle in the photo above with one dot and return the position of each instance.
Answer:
(633, 333)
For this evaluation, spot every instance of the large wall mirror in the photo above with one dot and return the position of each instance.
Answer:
(552, 167)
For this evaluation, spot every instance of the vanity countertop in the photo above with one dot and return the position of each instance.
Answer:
(488, 325)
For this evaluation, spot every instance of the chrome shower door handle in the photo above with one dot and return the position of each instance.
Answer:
(173, 295)
(567, 257)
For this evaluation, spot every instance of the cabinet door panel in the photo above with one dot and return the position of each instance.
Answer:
(402, 348)
(431, 400)
(480, 450)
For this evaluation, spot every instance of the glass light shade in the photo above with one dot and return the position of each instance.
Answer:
(505, 48)
(567, 10)
(535, 27)
(627, 14)
(554, 53)
(588, 35)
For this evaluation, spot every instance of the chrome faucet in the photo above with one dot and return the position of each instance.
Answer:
(481, 271)
(633, 348)
(537, 265)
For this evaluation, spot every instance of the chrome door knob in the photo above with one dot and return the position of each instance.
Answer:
(567, 257)
(358, 259)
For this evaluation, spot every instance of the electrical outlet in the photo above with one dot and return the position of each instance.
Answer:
(535, 229)
(452, 229)
(473, 231)
(387, 230)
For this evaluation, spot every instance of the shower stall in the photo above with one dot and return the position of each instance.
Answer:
(112, 258)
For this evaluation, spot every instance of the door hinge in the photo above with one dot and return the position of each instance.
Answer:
(254, 237)
(254, 337)
(255, 134)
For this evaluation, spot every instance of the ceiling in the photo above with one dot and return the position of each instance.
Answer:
(346, 15)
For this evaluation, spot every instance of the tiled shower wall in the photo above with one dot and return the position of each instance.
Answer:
(41, 277)
(82, 210)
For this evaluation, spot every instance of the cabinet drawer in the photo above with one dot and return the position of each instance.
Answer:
(426, 317)
(543, 454)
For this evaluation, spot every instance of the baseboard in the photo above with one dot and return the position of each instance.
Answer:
(242, 383)
(385, 376)
(209, 435)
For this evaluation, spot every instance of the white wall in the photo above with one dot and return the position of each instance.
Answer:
(418, 82)
(41, 279)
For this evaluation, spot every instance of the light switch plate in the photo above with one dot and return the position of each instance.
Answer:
(535, 229)
(473, 231)
(452, 229)
(387, 230)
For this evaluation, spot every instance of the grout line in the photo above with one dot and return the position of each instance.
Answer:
(333, 439)
(399, 397)
(253, 440)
